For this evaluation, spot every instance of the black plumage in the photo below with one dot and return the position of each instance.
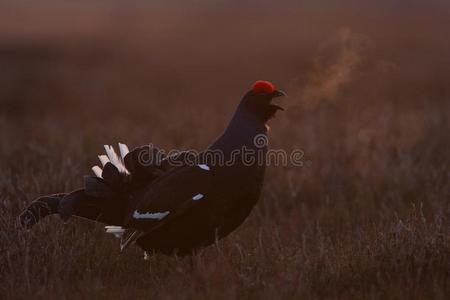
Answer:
(165, 204)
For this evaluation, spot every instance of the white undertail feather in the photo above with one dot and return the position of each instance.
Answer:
(115, 160)
(103, 159)
(123, 150)
(112, 157)
(97, 171)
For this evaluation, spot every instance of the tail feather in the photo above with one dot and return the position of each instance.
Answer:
(123, 150)
(97, 187)
(129, 163)
(39, 209)
(107, 196)
(102, 198)
(103, 159)
(113, 177)
(115, 160)
(105, 210)
(97, 171)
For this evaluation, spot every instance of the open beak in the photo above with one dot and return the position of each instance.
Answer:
(276, 94)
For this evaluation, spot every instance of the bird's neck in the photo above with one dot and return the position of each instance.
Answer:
(242, 131)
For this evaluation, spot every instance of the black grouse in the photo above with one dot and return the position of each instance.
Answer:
(179, 203)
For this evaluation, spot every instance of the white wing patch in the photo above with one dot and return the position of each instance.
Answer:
(112, 157)
(198, 197)
(116, 230)
(204, 167)
(149, 215)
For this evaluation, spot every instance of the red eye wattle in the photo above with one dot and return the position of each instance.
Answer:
(263, 86)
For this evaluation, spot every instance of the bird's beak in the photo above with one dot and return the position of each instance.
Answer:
(278, 93)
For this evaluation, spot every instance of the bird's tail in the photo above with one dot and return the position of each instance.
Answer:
(106, 197)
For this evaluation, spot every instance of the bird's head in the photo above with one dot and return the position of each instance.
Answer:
(259, 100)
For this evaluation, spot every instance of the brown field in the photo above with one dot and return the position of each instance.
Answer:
(366, 217)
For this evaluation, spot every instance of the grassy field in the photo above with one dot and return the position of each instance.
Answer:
(366, 217)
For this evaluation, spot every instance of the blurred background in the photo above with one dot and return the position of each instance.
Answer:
(369, 103)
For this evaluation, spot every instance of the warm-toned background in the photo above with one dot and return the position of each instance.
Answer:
(369, 103)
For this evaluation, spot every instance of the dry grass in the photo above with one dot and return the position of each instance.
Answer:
(366, 217)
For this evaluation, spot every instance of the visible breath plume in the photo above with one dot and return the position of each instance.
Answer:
(336, 64)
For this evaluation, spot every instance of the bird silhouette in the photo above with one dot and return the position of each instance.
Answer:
(172, 204)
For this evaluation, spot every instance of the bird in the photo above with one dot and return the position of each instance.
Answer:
(172, 204)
